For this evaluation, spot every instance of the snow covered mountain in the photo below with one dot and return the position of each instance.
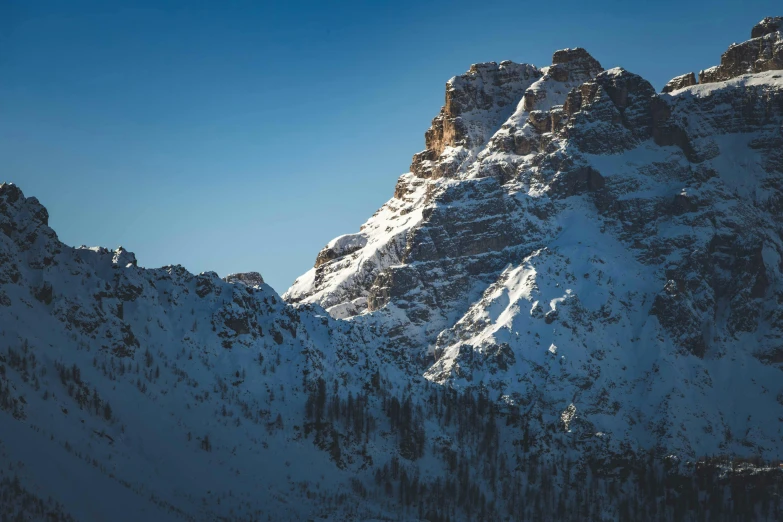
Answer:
(578, 276)
(585, 247)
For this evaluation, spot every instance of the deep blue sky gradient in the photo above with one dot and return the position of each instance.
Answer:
(235, 136)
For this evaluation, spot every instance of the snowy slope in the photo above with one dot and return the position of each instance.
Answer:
(175, 358)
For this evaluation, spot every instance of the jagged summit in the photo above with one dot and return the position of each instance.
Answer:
(476, 103)
(245, 278)
(680, 82)
(767, 26)
(763, 52)
(573, 65)
(124, 258)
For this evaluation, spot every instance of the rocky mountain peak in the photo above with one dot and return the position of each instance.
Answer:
(763, 52)
(123, 258)
(570, 68)
(9, 192)
(245, 278)
(477, 102)
(680, 82)
(25, 222)
(573, 64)
(481, 100)
(14, 206)
(767, 26)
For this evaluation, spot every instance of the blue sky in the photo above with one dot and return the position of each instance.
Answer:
(237, 136)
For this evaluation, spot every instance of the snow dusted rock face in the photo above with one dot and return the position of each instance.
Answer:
(569, 69)
(764, 52)
(348, 266)
(488, 99)
(245, 278)
(767, 26)
(339, 247)
(680, 82)
(632, 231)
(609, 114)
(539, 112)
(477, 102)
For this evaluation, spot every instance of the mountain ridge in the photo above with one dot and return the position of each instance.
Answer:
(577, 275)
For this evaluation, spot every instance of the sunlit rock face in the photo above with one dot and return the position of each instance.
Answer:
(763, 52)
(679, 82)
(246, 278)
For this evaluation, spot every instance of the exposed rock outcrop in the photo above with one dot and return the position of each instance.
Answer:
(570, 67)
(764, 52)
(611, 113)
(767, 26)
(477, 102)
(680, 82)
(339, 247)
(246, 278)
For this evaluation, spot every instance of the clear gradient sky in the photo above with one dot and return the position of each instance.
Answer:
(237, 136)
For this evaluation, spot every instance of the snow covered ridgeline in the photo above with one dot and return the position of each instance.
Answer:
(176, 396)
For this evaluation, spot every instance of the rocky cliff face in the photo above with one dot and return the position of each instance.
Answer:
(476, 103)
(596, 248)
(763, 52)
